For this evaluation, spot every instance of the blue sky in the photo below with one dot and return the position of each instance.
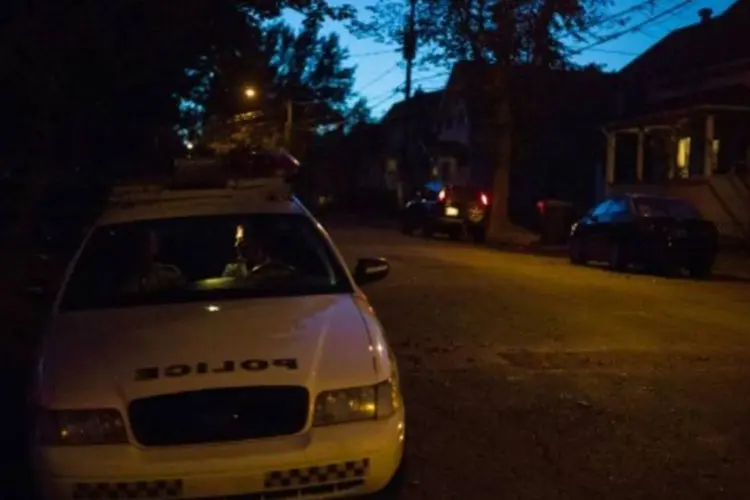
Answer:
(377, 73)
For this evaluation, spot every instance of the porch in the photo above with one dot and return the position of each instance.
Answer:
(699, 153)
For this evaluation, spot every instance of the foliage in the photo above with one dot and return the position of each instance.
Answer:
(89, 80)
(505, 31)
(304, 68)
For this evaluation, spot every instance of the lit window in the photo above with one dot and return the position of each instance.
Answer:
(683, 157)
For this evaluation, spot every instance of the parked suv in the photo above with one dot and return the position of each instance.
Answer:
(454, 210)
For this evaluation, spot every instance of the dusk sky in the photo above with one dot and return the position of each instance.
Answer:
(378, 75)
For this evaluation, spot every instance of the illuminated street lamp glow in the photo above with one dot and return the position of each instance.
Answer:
(250, 92)
(189, 145)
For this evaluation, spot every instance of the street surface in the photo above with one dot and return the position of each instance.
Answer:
(526, 377)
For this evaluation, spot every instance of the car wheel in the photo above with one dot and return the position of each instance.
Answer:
(427, 229)
(617, 260)
(575, 252)
(455, 234)
(479, 234)
(700, 270)
(407, 226)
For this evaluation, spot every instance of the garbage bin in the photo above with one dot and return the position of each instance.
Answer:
(555, 219)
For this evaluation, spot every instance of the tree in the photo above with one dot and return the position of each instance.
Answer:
(498, 34)
(303, 69)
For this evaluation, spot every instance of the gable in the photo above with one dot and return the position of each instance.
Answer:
(717, 41)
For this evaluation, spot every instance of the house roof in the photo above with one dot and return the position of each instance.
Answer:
(531, 87)
(422, 102)
(718, 40)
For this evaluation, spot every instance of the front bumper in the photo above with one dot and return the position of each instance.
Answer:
(323, 462)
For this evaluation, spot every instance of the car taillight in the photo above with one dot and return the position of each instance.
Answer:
(484, 199)
(441, 195)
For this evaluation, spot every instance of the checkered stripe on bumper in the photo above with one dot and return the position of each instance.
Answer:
(354, 469)
(166, 488)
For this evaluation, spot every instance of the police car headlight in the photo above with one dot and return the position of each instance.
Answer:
(80, 427)
(357, 404)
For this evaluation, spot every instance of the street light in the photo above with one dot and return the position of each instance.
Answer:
(189, 145)
(250, 93)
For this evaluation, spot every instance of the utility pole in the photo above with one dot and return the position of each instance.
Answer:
(410, 49)
(288, 106)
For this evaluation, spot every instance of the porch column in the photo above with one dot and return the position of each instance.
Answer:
(640, 155)
(672, 154)
(709, 156)
(610, 165)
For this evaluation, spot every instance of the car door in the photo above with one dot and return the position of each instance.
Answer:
(598, 226)
(620, 219)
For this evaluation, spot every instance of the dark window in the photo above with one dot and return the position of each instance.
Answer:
(204, 258)
(665, 207)
(463, 194)
(619, 209)
(601, 209)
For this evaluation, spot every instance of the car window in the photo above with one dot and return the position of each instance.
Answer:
(601, 209)
(203, 258)
(619, 209)
(463, 194)
(618, 205)
(665, 207)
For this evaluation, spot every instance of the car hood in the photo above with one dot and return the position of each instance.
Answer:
(107, 358)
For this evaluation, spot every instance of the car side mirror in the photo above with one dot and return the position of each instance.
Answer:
(369, 270)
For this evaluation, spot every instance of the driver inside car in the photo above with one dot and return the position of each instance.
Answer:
(250, 256)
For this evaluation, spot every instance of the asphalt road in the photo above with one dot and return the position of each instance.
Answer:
(526, 377)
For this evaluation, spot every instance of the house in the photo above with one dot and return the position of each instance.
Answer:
(405, 160)
(683, 126)
(557, 143)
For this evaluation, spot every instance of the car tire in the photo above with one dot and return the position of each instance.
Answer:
(427, 230)
(700, 270)
(617, 260)
(407, 227)
(479, 235)
(576, 253)
(456, 234)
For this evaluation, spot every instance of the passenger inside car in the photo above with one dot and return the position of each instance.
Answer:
(148, 274)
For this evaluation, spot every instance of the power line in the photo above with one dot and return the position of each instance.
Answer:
(432, 77)
(619, 34)
(379, 77)
(375, 53)
(630, 10)
(391, 95)
(615, 52)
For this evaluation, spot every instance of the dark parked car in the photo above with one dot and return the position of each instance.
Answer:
(454, 210)
(659, 233)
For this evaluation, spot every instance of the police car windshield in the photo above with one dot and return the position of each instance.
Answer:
(203, 258)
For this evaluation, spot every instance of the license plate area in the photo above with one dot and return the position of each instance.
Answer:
(451, 211)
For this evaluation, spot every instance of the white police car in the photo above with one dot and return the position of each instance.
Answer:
(212, 343)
